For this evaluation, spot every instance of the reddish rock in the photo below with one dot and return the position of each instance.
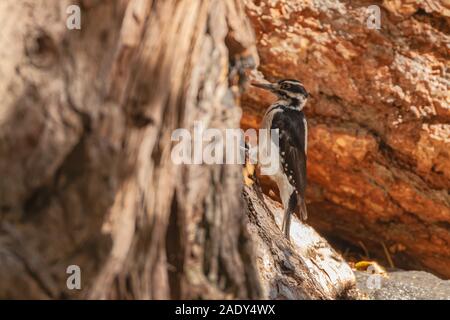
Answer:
(379, 118)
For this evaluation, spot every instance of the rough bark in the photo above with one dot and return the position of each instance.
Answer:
(379, 119)
(85, 129)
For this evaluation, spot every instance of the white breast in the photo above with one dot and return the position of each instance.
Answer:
(278, 177)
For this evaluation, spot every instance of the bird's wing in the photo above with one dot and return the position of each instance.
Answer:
(292, 146)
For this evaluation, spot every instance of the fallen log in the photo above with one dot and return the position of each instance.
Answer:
(306, 267)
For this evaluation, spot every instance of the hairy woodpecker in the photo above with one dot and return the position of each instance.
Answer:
(287, 116)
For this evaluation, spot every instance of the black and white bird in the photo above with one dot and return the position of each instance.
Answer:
(287, 116)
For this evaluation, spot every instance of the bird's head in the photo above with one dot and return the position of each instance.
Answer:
(288, 90)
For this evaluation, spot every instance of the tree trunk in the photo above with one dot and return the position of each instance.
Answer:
(85, 133)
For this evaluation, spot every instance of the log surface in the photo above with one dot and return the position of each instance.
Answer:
(305, 267)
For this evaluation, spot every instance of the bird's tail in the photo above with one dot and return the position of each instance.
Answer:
(303, 214)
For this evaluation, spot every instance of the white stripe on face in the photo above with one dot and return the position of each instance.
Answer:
(294, 83)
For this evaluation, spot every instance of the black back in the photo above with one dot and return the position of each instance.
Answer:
(292, 133)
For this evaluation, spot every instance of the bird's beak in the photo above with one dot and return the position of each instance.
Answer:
(265, 86)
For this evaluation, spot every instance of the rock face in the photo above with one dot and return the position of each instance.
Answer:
(379, 118)
(403, 285)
